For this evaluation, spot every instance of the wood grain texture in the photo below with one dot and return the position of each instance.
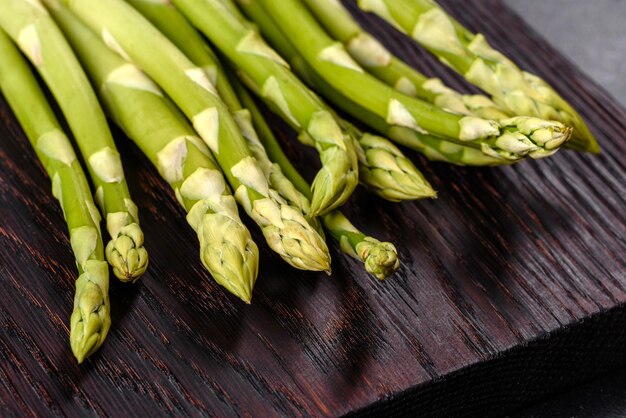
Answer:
(507, 266)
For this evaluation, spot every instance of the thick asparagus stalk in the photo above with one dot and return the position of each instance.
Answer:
(158, 128)
(511, 139)
(379, 258)
(270, 76)
(284, 226)
(382, 166)
(90, 319)
(378, 61)
(517, 91)
(34, 31)
(432, 147)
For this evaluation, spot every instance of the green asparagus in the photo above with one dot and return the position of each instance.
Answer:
(432, 147)
(163, 134)
(267, 72)
(178, 29)
(517, 91)
(379, 258)
(34, 31)
(90, 319)
(382, 167)
(126, 31)
(184, 36)
(378, 61)
(512, 138)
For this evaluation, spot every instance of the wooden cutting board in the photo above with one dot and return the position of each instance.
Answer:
(512, 286)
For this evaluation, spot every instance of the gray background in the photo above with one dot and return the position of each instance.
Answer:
(592, 34)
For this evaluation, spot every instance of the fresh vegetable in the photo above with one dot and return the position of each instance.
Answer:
(269, 75)
(517, 91)
(378, 61)
(33, 30)
(432, 147)
(379, 258)
(285, 228)
(383, 168)
(163, 134)
(90, 319)
(510, 139)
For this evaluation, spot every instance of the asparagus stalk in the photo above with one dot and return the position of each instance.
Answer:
(90, 319)
(382, 167)
(517, 91)
(36, 34)
(128, 32)
(283, 91)
(511, 139)
(163, 134)
(432, 147)
(378, 61)
(379, 258)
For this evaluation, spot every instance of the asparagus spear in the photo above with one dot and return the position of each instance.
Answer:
(34, 31)
(378, 61)
(90, 319)
(382, 166)
(379, 258)
(511, 139)
(284, 227)
(163, 134)
(269, 74)
(517, 91)
(432, 147)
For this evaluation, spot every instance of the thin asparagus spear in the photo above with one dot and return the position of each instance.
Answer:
(163, 134)
(382, 166)
(517, 91)
(432, 147)
(379, 258)
(284, 227)
(40, 40)
(90, 319)
(270, 76)
(378, 61)
(512, 138)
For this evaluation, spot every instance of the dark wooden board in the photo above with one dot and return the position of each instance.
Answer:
(511, 280)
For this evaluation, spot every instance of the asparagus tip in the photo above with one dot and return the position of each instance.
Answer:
(380, 258)
(127, 255)
(90, 321)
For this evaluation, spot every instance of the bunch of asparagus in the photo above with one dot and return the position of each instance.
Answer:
(147, 66)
